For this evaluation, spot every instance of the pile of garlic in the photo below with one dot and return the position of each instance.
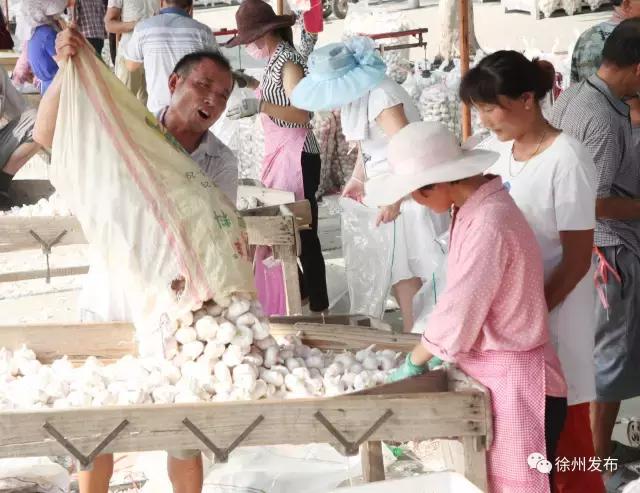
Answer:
(245, 203)
(247, 143)
(54, 206)
(214, 353)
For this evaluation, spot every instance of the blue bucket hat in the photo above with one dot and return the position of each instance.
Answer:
(339, 73)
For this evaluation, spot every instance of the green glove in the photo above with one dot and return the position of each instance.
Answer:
(434, 362)
(407, 370)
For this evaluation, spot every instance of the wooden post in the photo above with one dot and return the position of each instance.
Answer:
(279, 7)
(464, 63)
(372, 462)
(475, 461)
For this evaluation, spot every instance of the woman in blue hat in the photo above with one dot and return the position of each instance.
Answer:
(291, 154)
(352, 76)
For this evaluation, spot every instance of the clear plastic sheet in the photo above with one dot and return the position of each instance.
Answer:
(368, 255)
(425, 300)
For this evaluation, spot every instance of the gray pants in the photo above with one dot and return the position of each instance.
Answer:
(617, 343)
(15, 133)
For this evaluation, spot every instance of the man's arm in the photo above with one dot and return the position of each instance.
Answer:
(134, 58)
(68, 42)
(114, 23)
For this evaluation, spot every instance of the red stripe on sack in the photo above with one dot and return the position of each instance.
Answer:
(89, 62)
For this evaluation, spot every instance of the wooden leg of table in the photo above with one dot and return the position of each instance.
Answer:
(475, 461)
(372, 462)
(292, 284)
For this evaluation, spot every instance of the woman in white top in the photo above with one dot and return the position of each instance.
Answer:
(551, 177)
(351, 76)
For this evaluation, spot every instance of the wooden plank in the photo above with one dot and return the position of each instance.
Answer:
(152, 427)
(459, 381)
(372, 461)
(109, 341)
(270, 231)
(267, 196)
(340, 337)
(42, 274)
(475, 461)
(301, 210)
(15, 232)
(433, 381)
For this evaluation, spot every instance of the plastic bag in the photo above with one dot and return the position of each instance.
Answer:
(299, 5)
(368, 256)
(153, 215)
(426, 299)
(41, 473)
(270, 282)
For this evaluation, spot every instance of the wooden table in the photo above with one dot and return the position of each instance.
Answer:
(440, 404)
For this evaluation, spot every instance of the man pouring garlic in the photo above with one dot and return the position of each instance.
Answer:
(200, 86)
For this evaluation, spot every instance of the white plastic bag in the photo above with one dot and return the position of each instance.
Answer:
(368, 256)
(45, 476)
(426, 299)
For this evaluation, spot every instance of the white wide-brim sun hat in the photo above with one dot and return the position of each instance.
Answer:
(421, 154)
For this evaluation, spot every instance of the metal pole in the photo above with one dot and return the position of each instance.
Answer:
(464, 63)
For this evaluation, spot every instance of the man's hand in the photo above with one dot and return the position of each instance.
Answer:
(68, 43)
(248, 107)
(388, 214)
(354, 189)
(243, 80)
(407, 370)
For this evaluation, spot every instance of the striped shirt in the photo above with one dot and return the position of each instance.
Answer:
(273, 89)
(160, 42)
(91, 18)
(589, 112)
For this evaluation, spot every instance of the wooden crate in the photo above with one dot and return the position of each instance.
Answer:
(436, 405)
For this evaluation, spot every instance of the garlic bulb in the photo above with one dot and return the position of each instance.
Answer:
(226, 333)
(232, 356)
(193, 349)
(238, 307)
(186, 335)
(206, 328)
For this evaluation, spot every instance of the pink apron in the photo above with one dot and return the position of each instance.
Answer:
(516, 381)
(282, 170)
(282, 166)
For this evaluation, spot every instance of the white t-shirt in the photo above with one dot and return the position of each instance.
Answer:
(556, 191)
(133, 10)
(374, 149)
(159, 43)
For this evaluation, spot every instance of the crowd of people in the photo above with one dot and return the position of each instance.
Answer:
(535, 212)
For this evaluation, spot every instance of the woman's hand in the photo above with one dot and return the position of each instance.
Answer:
(354, 189)
(388, 213)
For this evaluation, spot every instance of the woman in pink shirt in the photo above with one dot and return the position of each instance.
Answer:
(491, 318)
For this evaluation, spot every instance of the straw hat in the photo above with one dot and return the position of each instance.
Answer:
(339, 73)
(254, 19)
(424, 153)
